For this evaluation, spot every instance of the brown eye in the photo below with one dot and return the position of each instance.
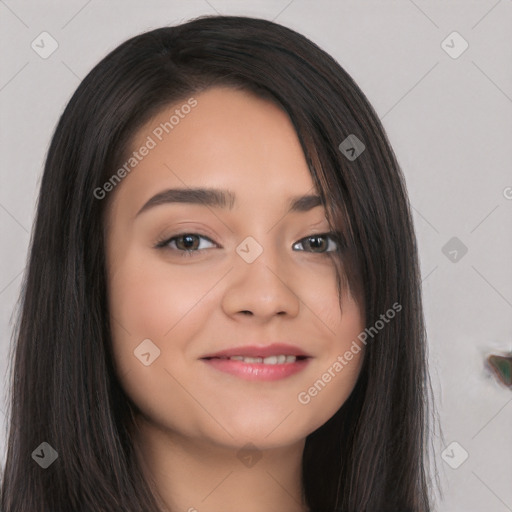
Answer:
(185, 243)
(322, 243)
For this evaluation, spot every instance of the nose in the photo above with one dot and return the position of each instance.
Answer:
(261, 289)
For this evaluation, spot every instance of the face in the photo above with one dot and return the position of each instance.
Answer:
(197, 286)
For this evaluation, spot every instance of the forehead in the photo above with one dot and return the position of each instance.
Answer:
(221, 138)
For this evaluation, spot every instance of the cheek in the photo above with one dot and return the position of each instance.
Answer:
(340, 358)
(155, 302)
(339, 322)
(329, 389)
(151, 301)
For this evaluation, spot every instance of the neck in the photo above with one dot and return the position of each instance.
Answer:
(192, 475)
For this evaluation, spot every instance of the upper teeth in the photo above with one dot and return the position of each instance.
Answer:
(265, 360)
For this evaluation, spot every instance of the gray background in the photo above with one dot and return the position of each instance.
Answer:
(448, 119)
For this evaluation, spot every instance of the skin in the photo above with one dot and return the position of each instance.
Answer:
(193, 418)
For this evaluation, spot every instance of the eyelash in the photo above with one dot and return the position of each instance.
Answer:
(164, 243)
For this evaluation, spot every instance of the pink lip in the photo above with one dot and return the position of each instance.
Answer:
(275, 349)
(258, 371)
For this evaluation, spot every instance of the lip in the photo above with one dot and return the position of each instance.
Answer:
(258, 371)
(274, 349)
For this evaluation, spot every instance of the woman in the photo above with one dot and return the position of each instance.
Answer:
(181, 343)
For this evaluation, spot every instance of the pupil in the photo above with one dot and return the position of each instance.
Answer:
(317, 242)
(188, 241)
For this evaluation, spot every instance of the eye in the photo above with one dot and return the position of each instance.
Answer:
(186, 243)
(189, 243)
(319, 243)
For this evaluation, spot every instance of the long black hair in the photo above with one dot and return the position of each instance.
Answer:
(371, 455)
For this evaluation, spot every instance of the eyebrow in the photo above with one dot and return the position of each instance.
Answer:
(220, 198)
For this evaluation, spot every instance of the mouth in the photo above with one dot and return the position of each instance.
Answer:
(272, 362)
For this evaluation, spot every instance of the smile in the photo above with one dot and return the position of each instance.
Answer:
(258, 368)
(265, 360)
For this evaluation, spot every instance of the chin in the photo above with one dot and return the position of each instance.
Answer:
(265, 431)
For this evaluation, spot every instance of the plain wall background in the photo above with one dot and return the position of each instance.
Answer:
(449, 121)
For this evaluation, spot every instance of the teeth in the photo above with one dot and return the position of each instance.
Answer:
(267, 360)
(252, 360)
